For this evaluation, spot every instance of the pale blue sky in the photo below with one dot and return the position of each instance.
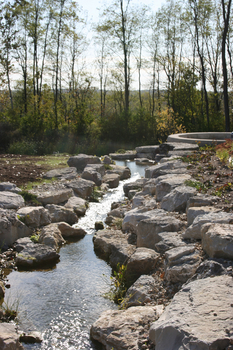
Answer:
(91, 6)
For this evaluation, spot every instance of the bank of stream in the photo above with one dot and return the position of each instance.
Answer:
(62, 303)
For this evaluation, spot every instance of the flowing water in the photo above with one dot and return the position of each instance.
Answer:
(63, 302)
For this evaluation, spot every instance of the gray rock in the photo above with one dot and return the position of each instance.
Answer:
(99, 225)
(168, 240)
(54, 196)
(8, 186)
(77, 204)
(129, 155)
(193, 212)
(11, 228)
(113, 246)
(140, 292)
(208, 268)
(59, 213)
(138, 201)
(194, 230)
(144, 161)
(164, 168)
(181, 146)
(100, 168)
(64, 173)
(150, 186)
(92, 175)
(107, 160)
(81, 160)
(136, 185)
(31, 337)
(217, 240)
(122, 171)
(34, 216)
(112, 180)
(34, 255)
(148, 229)
(147, 151)
(181, 263)
(166, 186)
(134, 216)
(201, 200)
(141, 262)
(11, 200)
(120, 329)
(69, 232)
(9, 338)
(199, 317)
(51, 236)
(177, 199)
(82, 188)
(2, 290)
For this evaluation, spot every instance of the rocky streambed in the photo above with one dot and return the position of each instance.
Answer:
(177, 245)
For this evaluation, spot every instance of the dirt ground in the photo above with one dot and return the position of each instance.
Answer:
(21, 169)
(205, 167)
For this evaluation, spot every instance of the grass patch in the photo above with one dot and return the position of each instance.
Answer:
(196, 184)
(118, 286)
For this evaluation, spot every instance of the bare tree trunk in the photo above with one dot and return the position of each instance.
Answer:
(226, 18)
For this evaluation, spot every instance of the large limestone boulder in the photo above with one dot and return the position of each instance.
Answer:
(96, 167)
(148, 229)
(11, 228)
(78, 205)
(64, 173)
(112, 180)
(177, 199)
(59, 213)
(168, 240)
(8, 186)
(217, 240)
(33, 255)
(141, 262)
(122, 171)
(69, 232)
(181, 263)
(140, 293)
(9, 338)
(121, 329)
(11, 200)
(34, 216)
(136, 185)
(199, 317)
(147, 151)
(54, 196)
(193, 212)
(81, 160)
(134, 216)
(92, 175)
(166, 186)
(194, 230)
(169, 167)
(113, 246)
(81, 187)
(201, 200)
(51, 236)
(127, 155)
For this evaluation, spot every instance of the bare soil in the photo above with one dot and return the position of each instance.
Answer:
(22, 169)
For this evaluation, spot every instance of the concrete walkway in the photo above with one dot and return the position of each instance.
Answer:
(202, 138)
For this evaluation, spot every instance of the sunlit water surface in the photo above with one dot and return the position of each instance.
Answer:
(62, 303)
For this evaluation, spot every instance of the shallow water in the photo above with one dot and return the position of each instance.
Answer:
(62, 303)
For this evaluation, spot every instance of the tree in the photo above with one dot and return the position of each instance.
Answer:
(226, 9)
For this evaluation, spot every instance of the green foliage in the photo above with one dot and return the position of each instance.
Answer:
(29, 197)
(118, 284)
(10, 309)
(35, 238)
(196, 184)
(224, 151)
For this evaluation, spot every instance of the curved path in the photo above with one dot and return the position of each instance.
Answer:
(202, 138)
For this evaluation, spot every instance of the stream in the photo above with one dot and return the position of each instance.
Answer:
(62, 303)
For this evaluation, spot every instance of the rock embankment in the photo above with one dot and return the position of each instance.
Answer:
(37, 230)
(178, 250)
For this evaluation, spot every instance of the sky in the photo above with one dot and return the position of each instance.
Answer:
(91, 6)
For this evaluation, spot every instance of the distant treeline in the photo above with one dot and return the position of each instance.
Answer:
(184, 49)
